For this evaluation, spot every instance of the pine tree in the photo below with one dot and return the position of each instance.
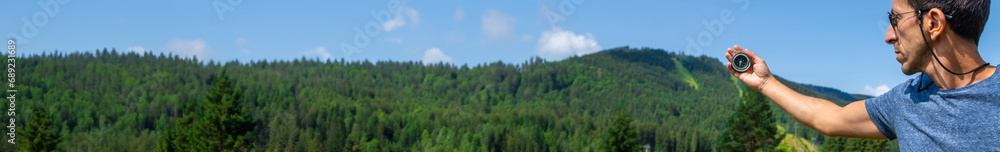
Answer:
(621, 135)
(226, 124)
(855, 144)
(834, 144)
(41, 135)
(219, 123)
(177, 138)
(166, 142)
(752, 126)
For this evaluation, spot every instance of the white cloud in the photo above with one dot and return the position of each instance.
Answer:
(434, 55)
(877, 91)
(240, 43)
(497, 24)
(394, 23)
(137, 49)
(320, 51)
(398, 19)
(557, 44)
(459, 14)
(188, 48)
(412, 14)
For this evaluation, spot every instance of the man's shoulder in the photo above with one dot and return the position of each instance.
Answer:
(991, 82)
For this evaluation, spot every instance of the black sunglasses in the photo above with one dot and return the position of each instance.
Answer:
(894, 18)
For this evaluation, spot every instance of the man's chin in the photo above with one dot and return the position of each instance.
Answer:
(909, 71)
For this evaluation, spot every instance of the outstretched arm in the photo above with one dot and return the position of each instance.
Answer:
(822, 115)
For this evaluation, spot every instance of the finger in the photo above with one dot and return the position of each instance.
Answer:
(728, 55)
(738, 48)
(756, 59)
(731, 51)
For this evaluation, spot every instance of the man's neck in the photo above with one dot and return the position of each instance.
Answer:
(958, 59)
(943, 79)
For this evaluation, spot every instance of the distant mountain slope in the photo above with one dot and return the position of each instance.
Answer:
(834, 93)
(861, 96)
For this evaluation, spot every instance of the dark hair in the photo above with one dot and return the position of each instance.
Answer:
(969, 15)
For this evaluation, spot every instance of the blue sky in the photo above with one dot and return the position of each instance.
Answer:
(829, 43)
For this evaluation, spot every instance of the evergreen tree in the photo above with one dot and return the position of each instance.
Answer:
(752, 126)
(220, 123)
(834, 144)
(41, 135)
(621, 135)
(226, 124)
(176, 139)
(855, 144)
(166, 142)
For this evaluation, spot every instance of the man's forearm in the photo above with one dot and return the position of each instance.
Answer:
(807, 110)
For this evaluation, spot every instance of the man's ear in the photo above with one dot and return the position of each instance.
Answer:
(936, 22)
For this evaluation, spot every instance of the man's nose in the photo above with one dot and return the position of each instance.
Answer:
(890, 35)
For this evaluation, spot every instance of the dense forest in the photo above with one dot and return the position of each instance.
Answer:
(128, 101)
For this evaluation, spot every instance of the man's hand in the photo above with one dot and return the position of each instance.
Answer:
(755, 76)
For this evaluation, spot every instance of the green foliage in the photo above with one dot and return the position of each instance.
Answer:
(855, 144)
(621, 135)
(752, 126)
(219, 123)
(41, 134)
(129, 101)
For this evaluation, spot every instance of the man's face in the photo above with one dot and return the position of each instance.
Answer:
(905, 37)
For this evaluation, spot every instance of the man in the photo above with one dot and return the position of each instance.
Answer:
(954, 105)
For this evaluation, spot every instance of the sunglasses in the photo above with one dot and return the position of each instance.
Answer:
(894, 18)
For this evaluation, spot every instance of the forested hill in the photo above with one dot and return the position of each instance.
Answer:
(837, 93)
(123, 101)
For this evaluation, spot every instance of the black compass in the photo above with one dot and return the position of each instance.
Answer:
(741, 62)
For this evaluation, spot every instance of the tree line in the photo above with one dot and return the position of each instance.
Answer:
(128, 101)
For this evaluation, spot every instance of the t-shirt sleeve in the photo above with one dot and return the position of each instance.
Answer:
(881, 109)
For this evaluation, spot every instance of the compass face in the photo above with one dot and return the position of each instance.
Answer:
(741, 62)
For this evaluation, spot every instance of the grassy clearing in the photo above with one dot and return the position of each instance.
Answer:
(685, 74)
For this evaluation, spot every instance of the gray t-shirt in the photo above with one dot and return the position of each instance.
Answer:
(935, 119)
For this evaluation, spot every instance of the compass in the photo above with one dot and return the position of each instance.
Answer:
(741, 62)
